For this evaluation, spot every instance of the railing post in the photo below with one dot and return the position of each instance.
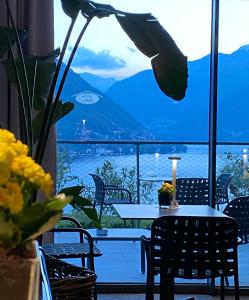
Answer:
(138, 172)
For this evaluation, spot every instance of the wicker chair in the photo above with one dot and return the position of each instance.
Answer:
(192, 191)
(104, 194)
(84, 249)
(191, 248)
(222, 183)
(238, 209)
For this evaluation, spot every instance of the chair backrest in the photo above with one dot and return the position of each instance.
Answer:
(99, 188)
(192, 191)
(194, 247)
(238, 209)
(222, 183)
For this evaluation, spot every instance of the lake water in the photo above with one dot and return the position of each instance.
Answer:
(194, 163)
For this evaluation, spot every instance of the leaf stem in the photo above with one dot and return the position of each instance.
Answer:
(50, 117)
(51, 92)
(28, 108)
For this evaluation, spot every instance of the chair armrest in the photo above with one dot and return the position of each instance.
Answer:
(146, 242)
(119, 189)
(81, 231)
(74, 221)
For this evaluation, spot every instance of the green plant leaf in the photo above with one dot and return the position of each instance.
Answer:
(58, 202)
(40, 70)
(92, 214)
(37, 123)
(72, 190)
(45, 227)
(71, 7)
(33, 217)
(62, 109)
(168, 63)
(7, 35)
(93, 9)
(82, 203)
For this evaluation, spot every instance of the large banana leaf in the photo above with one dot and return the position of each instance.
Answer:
(168, 63)
(71, 7)
(7, 38)
(40, 70)
(61, 110)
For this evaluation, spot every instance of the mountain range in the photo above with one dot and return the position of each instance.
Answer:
(135, 108)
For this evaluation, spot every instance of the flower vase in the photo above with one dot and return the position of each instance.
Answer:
(20, 275)
(164, 199)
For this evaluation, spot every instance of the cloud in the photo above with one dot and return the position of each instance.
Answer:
(86, 58)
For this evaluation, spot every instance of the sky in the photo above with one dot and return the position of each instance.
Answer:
(107, 51)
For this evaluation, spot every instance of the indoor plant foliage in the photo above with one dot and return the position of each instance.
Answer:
(20, 221)
(37, 77)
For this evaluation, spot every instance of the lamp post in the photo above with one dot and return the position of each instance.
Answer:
(174, 167)
(84, 129)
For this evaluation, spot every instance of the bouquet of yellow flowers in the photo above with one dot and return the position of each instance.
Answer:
(166, 188)
(22, 221)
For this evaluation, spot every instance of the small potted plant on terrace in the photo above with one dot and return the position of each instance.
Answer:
(165, 194)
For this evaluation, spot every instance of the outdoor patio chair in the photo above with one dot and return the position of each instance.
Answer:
(84, 249)
(191, 248)
(222, 183)
(238, 209)
(109, 194)
(192, 191)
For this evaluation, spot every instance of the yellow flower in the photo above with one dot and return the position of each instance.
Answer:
(11, 197)
(6, 137)
(26, 167)
(20, 148)
(166, 188)
(47, 184)
(4, 173)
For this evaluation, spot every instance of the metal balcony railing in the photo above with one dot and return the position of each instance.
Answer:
(128, 163)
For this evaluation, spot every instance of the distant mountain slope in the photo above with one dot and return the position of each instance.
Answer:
(188, 119)
(104, 119)
(98, 82)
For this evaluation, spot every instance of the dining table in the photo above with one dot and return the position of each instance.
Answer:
(152, 211)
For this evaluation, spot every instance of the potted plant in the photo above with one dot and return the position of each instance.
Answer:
(165, 194)
(21, 221)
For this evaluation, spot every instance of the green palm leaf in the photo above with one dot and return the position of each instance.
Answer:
(40, 70)
(7, 38)
(168, 63)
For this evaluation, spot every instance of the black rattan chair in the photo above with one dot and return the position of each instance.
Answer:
(238, 209)
(191, 248)
(192, 191)
(84, 249)
(222, 183)
(109, 194)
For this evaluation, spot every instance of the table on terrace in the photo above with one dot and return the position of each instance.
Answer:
(143, 211)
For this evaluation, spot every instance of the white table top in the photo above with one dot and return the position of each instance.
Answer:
(142, 211)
